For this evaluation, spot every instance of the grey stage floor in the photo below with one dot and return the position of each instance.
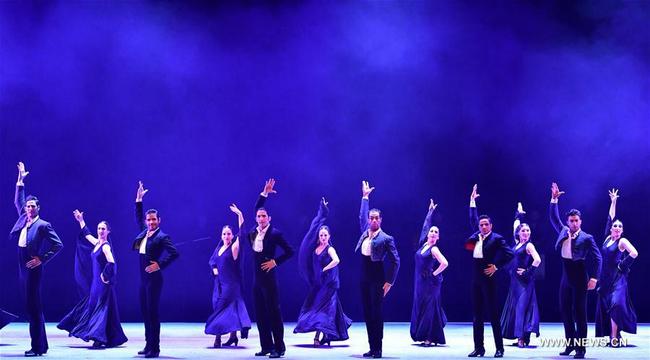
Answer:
(187, 341)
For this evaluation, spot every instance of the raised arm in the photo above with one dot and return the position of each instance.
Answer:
(309, 242)
(85, 233)
(19, 198)
(139, 211)
(428, 222)
(613, 196)
(473, 211)
(553, 211)
(519, 216)
(365, 205)
(268, 189)
(240, 221)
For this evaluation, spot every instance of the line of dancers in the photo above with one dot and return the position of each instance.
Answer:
(96, 317)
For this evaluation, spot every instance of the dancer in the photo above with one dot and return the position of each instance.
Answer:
(614, 310)
(427, 317)
(229, 310)
(322, 311)
(581, 263)
(490, 252)
(263, 240)
(375, 246)
(96, 317)
(150, 244)
(37, 245)
(520, 315)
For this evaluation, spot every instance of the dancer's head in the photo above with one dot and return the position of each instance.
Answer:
(32, 206)
(433, 235)
(226, 234)
(374, 219)
(617, 229)
(522, 233)
(484, 224)
(152, 219)
(324, 235)
(103, 230)
(262, 217)
(574, 220)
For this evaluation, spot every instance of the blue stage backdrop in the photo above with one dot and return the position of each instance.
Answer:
(423, 99)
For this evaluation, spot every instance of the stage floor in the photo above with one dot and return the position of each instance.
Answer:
(187, 341)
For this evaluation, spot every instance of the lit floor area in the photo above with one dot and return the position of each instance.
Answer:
(187, 341)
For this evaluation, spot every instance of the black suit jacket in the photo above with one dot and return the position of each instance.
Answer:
(272, 239)
(495, 248)
(159, 248)
(42, 241)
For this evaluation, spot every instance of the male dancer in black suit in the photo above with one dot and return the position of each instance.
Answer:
(150, 244)
(375, 246)
(263, 240)
(581, 262)
(37, 244)
(490, 252)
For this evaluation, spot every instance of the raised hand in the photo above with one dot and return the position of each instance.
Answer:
(235, 209)
(366, 189)
(475, 193)
(141, 192)
(520, 208)
(268, 186)
(78, 215)
(323, 201)
(21, 172)
(613, 195)
(555, 191)
(432, 206)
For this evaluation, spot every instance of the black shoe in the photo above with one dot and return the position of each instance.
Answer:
(97, 345)
(276, 355)
(580, 354)
(368, 354)
(232, 340)
(567, 351)
(263, 353)
(30, 353)
(143, 351)
(325, 340)
(217, 341)
(152, 354)
(499, 353)
(477, 352)
(376, 355)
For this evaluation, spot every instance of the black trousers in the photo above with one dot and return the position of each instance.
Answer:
(267, 311)
(150, 290)
(484, 300)
(31, 283)
(372, 299)
(573, 301)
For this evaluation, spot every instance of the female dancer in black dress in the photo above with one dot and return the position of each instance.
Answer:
(97, 317)
(229, 310)
(614, 310)
(520, 315)
(427, 317)
(318, 261)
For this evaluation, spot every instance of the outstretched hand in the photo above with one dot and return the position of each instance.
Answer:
(366, 189)
(21, 172)
(235, 209)
(78, 215)
(520, 208)
(141, 192)
(613, 195)
(475, 193)
(555, 191)
(268, 186)
(432, 205)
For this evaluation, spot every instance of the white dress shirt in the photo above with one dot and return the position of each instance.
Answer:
(22, 239)
(566, 245)
(258, 244)
(478, 249)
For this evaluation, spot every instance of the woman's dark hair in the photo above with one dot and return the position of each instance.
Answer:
(518, 229)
